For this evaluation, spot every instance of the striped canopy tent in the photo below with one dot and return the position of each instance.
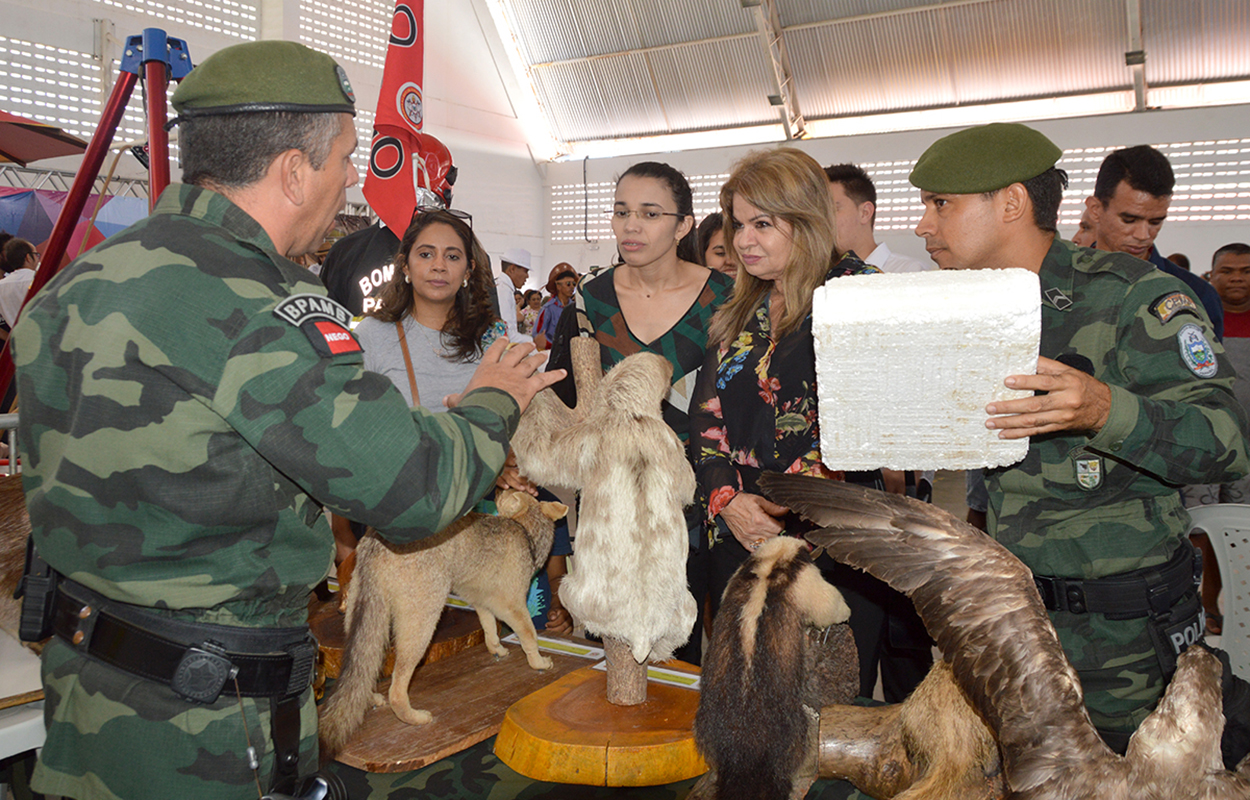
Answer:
(31, 213)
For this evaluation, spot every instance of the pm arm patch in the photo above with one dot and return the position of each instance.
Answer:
(1197, 352)
(1171, 304)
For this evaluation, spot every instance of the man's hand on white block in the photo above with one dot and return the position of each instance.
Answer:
(1074, 401)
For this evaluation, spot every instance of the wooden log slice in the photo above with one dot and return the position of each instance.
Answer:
(568, 732)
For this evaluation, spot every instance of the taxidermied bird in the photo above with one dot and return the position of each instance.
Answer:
(981, 607)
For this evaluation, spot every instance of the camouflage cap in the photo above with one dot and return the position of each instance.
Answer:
(265, 76)
(984, 159)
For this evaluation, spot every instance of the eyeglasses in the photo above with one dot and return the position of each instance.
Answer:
(644, 215)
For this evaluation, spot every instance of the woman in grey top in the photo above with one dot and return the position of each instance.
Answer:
(435, 316)
(427, 335)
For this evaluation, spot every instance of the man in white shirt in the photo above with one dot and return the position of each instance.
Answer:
(19, 260)
(514, 272)
(855, 212)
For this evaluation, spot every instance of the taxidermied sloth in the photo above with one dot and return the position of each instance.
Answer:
(981, 607)
(488, 560)
(765, 679)
(629, 580)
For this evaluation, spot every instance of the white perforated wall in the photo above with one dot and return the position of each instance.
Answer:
(1212, 184)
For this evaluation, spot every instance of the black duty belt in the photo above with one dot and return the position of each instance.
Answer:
(196, 660)
(1146, 591)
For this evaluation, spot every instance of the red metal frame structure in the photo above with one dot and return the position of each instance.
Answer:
(161, 58)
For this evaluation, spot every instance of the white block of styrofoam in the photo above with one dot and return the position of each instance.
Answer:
(906, 363)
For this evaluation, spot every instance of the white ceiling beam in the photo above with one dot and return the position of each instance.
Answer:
(1135, 58)
(768, 23)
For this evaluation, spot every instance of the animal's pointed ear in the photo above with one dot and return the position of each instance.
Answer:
(510, 502)
(553, 510)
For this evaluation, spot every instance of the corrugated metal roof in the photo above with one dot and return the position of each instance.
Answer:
(1196, 40)
(622, 68)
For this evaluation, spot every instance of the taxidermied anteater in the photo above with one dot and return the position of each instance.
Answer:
(751, 725)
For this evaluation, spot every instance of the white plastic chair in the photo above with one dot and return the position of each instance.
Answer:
(21, 728)
(1227, 525)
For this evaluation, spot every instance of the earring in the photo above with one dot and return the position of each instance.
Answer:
(465, 285)
(406, 278)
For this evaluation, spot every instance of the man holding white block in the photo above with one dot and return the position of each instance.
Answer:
(1134, 399)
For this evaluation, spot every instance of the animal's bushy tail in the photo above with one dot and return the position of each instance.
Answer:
(363, 655)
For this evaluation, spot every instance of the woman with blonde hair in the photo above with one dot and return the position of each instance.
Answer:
(756, 397)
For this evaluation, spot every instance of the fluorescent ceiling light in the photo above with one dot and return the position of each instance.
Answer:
(1224, 93)
(928, 119)
(675, 142)
(1203, 94)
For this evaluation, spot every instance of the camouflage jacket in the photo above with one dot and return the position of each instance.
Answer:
(182, 426)
(1090, 506)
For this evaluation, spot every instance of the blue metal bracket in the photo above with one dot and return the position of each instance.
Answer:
(154, 45)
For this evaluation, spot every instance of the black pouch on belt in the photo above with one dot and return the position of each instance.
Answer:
(1175, 631)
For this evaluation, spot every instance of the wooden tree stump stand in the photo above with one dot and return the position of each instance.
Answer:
(568, 732)
(627, 679)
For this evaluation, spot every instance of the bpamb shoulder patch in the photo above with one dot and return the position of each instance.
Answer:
(300, 308)
(1197, 352)
(322, 320)
(1173, 303)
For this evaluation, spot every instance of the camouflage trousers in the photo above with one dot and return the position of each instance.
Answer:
(1120, 672)
(116, 736)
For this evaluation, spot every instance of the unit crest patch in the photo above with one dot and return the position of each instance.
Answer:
(1169, 305)
(1089, 473)
(1197, 352)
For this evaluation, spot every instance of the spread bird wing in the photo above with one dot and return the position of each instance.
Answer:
(981, 607)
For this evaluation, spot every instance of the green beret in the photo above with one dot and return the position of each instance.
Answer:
(265, 76)
(984, 159)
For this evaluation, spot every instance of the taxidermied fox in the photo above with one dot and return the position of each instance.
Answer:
(488, 560)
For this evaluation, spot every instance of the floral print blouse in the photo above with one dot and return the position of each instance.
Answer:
(755, 407)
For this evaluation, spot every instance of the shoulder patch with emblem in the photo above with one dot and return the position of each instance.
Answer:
(1197, 352)
(1173, 303)
(322, 320)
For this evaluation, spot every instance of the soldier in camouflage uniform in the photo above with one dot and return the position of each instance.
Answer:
(190, 402)
(1135, 399)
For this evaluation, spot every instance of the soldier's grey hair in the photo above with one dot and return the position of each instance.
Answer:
(234, 150)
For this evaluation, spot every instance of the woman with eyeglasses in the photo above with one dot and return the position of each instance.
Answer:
(658, 300)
